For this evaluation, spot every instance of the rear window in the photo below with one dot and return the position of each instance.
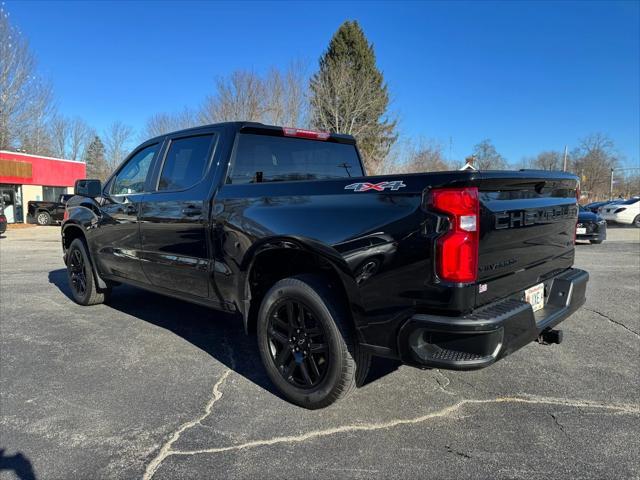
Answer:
(262, 158)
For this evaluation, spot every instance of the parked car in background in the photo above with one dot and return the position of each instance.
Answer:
(595, 206)
(45, 213)
(591, 226)
(627, 212)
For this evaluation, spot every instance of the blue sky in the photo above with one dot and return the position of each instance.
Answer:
(531, 76)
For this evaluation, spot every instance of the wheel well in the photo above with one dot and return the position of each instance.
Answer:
(274, 265)
(70, 234)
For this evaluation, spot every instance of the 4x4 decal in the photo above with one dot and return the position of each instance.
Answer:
(378, 187)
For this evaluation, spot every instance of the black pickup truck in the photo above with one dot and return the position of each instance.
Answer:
(327, 266)
(46, 213)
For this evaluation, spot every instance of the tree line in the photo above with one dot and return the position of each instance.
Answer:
(347, 94)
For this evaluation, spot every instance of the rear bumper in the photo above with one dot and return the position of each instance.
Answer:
(595, 231)
(491, 332)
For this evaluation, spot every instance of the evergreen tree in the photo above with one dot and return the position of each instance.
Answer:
(349, 95)
(96, 162)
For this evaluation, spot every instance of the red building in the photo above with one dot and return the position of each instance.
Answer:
(26, 177)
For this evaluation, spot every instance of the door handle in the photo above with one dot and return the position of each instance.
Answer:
(191, 211)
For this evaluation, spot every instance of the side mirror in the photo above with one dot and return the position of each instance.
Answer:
(88, 188)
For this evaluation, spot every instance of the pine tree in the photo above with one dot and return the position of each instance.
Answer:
(349, 95)
(95, 160)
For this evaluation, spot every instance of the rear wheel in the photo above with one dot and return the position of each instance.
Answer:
(80, 275)
(636, 221)
(307, 344)
(43, 218)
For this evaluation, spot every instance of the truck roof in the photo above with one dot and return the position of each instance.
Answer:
(257, 127)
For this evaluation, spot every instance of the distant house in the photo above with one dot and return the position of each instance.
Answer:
(25, 177)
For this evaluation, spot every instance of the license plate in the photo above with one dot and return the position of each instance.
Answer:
(581, 231)
(535, 296)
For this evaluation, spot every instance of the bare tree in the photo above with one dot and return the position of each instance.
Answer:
(59, 127)
(280, 97)
(487, 157)
(80, 134)
(162, 123)
(237, 97)
(549, 160)
(592, 161)
(410, 156)
(35, 137)
(25, 99)
(117, 143)
(286, 96)
(70, 137)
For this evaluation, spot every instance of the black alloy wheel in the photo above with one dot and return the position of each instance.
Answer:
(80, 276)
(78, 272)
(297, 344)
(307, 341)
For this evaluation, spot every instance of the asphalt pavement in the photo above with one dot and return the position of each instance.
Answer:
(150, 387)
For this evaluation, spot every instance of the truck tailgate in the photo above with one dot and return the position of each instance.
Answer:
(527, 232)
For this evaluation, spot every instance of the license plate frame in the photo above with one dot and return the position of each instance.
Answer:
(581, 231)
(535, 296)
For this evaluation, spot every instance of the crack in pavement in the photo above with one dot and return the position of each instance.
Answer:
(613, 321)
(441, 386)
(457, 452)
(445, 412)
(166, 450)
(559, 425)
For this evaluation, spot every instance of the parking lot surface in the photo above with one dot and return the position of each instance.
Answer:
(150, 387)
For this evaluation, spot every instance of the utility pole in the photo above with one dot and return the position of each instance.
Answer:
(611, 186)
(564, 168)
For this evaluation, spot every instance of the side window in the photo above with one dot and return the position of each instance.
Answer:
(186, 162)
(132, 176)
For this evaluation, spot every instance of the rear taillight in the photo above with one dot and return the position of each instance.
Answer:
(457, 250)
(65, 216)
(301, 133)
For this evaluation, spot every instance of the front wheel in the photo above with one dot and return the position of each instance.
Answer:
(307, 343)
(636, 221)
(80, 276)
(43, 218)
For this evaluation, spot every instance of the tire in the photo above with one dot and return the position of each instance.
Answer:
(595, 242)
(336, 367)
(80, 276)
(43, 218)
(636, 221)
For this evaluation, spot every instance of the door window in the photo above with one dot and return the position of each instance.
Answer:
(186, 162)
(131, 178)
